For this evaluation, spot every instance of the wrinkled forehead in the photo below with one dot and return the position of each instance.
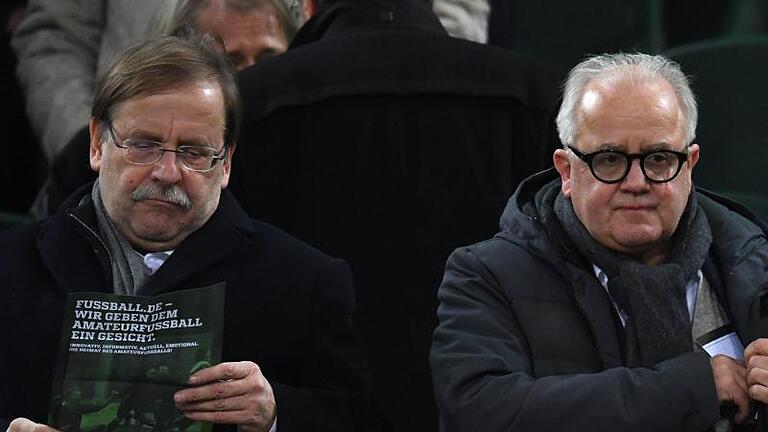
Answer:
(631, 87)
(640, 105)
(195, 109)
(130, 87)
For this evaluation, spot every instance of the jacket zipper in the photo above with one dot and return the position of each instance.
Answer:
(101, 242)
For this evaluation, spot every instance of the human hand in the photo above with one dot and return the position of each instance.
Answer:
(232, 393)
(25, 425)
(756, 359)
(731, 384)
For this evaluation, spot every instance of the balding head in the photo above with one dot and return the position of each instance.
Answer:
(618, 67)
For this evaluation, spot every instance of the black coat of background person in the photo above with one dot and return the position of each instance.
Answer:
(70, 169)
(379, 139)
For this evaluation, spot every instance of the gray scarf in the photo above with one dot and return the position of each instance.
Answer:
(129, 274)
(653, 297)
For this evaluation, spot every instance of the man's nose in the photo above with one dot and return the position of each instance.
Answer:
(167, 169)
(635, 181)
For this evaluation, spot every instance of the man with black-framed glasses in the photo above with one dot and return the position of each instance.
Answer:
(157, 220)
(616, 296)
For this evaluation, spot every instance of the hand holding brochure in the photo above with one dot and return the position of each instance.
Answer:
(122, 358)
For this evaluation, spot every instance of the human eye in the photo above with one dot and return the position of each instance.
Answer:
(197, 152)
(660, 158)
(142, 145)
(198, 158)
(609, 159)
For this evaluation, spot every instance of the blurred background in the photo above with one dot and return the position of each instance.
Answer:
(710, 38)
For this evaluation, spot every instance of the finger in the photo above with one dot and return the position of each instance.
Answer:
(757, 361)
(228, 404)
(223, 371)
(259, 418)
(742, 402)
(757, 347)
(741, 399)
(739, 376)
(757, 376)
(216, 391)
(25, 425)
(730, 378)
(759, 393)
(726, 370)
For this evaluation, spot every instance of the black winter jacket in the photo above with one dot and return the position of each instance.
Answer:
(288, 308)
(528, 339)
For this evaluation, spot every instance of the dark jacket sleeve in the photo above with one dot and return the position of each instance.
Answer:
(69, 171)
(336, 396)
(6, 411)
(483, 374)
(4, 401)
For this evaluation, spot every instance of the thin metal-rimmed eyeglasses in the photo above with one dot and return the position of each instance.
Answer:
(145, 152)
(612, 166)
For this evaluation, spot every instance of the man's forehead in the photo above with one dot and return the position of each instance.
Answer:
(205, 91)
(616, 85)
(618, 102)
(196, 109)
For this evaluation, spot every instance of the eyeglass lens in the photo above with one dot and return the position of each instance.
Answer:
(657, 166)
(145, 152)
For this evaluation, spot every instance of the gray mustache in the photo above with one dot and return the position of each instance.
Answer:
(173, 194)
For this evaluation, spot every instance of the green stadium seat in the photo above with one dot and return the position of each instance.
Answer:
(729, 79)
(564, 32)
(10, 220)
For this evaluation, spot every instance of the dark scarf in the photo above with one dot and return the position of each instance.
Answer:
(658, 325)
(129, 274)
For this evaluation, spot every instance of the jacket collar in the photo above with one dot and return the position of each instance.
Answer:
(214, 242)
(737, 235)
(348, 16)
(739, 253)
(526, 222)
(733, 225)
(78, 259)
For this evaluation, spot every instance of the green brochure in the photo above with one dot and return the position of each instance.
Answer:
(122, 358)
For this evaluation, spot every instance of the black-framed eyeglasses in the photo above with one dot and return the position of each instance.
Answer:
(146, 152)
(612, 166)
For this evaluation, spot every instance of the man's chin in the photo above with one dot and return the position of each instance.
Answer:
(155, 236)
(638, 243)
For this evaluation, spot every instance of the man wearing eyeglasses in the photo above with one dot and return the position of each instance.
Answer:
(158, 219)
(615, 297)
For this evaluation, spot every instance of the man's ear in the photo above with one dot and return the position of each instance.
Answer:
(309, 8)
(95, 150)
(694, 151)
(227, 165)
(563, 166)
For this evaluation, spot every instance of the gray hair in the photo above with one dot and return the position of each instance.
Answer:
(653, 65)
(175, 15)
